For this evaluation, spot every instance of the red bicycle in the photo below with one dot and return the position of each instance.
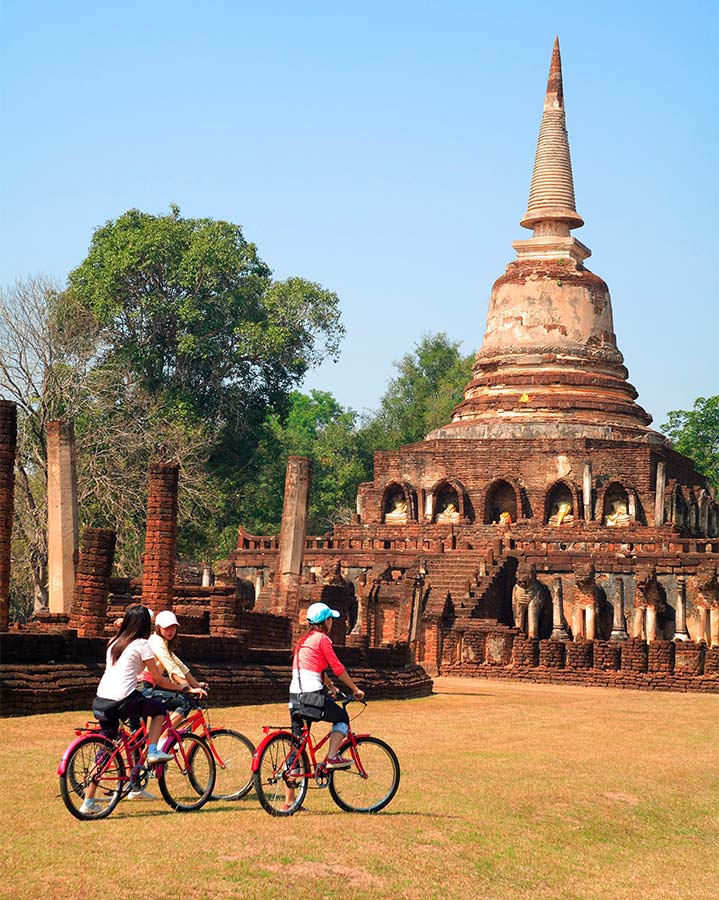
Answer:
(116, 767)
(232, 752)
(284, 766)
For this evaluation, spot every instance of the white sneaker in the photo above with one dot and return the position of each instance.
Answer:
(141, 795)
(90, 807)
(158, 757)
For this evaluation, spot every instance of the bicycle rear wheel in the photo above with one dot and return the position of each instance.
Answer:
(274, 784)
(371, 782)
(188, 779)
(233, 754)
(96, 760)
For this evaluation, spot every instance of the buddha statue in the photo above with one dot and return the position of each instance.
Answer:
(505, 518)
(619, 516)
(561, 512)
(448, 513)
(398, 510)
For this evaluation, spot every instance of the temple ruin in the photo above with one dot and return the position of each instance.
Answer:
(545, 533)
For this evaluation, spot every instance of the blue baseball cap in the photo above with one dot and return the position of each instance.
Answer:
(319, 612)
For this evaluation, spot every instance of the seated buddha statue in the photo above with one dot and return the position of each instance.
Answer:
(398, 513)
(561, 512)
(619, 516)
(448, 513)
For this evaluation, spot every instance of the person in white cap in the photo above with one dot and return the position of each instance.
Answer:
(162, 643)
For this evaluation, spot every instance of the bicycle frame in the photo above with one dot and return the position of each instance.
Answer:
(307, 743)
(126, 744)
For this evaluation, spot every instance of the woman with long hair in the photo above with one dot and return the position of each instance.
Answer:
(117, 696)
(163, 643)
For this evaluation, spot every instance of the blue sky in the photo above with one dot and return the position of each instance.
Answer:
(384, 150)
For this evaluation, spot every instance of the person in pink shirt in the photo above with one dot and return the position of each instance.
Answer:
(313, 656)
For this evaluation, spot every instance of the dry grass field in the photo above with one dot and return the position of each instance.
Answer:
(508, 790)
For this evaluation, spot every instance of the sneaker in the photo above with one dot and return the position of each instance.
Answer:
(337, 762)
(158, 757)
(141, 794)
(90, 807)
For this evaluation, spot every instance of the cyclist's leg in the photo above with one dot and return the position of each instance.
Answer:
(337, 715)
(107, 713)
(175, 702)
(297, 729)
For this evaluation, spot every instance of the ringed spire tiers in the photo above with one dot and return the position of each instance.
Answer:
(549, 365)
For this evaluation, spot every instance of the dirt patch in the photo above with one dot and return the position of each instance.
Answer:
(357, 878)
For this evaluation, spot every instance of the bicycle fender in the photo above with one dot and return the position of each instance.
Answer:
(66, 755)
(263, 743)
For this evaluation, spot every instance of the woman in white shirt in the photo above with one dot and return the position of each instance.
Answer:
(117, 695)
(162, 643)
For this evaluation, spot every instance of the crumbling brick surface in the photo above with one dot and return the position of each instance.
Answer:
(160, 537)
(607, 656)
(8, 443)
(92, 583)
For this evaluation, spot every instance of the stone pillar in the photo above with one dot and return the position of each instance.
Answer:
(659, 494)
(8, 445)
(680, 626)
(298, 483)
(559, 628)
(160, 537)
(587, 492)
(92, 585)
(62, 528)
(207, 575)
(619, 626)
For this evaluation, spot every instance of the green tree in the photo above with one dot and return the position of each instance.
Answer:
(429, 383)
(189, 308)
(695, 433)
(318, 427)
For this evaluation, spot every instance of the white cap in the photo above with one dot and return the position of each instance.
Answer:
(166, 619)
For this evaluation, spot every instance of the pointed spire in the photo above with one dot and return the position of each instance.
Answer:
(551, 195)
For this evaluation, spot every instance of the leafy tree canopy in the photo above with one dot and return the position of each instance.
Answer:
(318, 427)
(429, 383)
(188, 307)
(695, 433)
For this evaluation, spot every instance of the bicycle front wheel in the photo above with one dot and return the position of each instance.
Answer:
(281, 776)
(233, 754)
(188, 779)
(95, 760)
(371, 782)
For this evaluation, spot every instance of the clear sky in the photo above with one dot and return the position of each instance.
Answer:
(384, 150)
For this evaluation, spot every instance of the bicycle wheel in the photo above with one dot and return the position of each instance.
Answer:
(372, 781)
(233, 754)
(96, 760)
(188, 779)
(273, 782)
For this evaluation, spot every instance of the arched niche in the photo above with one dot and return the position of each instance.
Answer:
(502, 500)
(397, 504)
(448, 502)
(618, 502)
(561, 505)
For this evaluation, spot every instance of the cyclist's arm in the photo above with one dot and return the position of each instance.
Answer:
(158, 679)
(347, 681)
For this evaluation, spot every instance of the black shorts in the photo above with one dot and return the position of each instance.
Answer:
(109, 712)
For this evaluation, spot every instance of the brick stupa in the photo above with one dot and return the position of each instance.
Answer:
(549, 364)
(546, 527)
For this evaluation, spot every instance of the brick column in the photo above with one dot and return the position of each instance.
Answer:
(8, 445)
(62, 527)
(92, 584)
(160, 537)
(293, 532)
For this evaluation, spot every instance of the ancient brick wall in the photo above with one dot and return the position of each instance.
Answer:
(8, 443)
(92, 582)
(160, 537)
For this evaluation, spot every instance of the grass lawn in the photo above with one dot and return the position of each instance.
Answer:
(508, 790)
